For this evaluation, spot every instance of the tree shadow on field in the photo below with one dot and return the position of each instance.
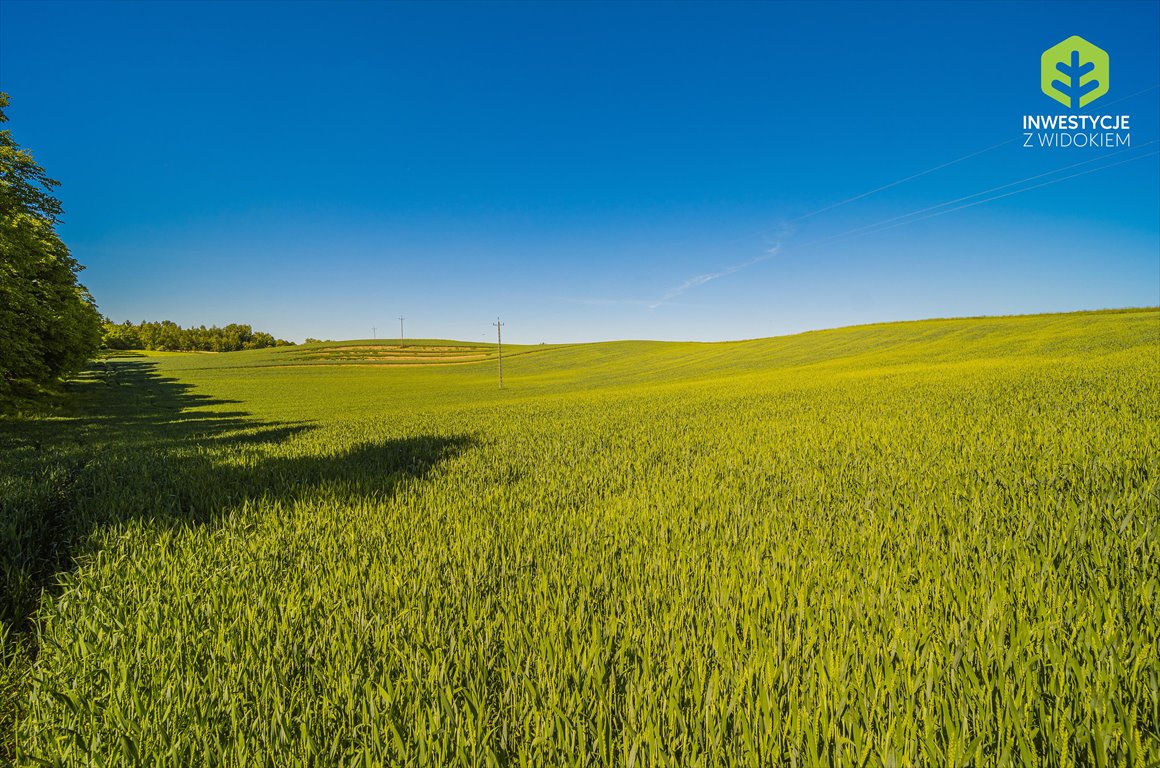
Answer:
(141, 446)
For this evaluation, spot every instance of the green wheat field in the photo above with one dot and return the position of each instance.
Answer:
(933, 543)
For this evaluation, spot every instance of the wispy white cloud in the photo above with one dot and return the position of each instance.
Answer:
(696, 281)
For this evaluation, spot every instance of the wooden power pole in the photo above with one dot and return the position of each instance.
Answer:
(499, 348)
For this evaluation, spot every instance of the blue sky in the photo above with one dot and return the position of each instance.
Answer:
(587, 171)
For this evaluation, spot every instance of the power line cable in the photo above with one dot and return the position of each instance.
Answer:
(859, 233)
(939, 167)
(873, 225)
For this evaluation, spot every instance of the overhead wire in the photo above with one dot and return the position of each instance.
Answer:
(874, 226)
(940, 166)
(933, 211)
(1021, 191)
(912, 177)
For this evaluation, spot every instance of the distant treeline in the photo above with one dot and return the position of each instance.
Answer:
(169, 336)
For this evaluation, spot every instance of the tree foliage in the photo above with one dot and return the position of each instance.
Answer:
(49, 324)
(168, 335)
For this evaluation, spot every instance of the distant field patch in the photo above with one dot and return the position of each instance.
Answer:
(412, 354)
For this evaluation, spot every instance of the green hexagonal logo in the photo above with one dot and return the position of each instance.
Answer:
(1074, 72)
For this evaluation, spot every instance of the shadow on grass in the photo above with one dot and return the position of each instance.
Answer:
(136, 445)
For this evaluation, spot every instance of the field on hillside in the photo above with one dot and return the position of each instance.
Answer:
(931, 543)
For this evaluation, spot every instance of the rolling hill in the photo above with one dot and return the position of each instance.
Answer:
(925, 543)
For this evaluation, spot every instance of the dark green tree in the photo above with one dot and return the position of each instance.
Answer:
(123, 336)
(49, 324)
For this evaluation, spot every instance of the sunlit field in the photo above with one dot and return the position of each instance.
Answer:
(932, 543)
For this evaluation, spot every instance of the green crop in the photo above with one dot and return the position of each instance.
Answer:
(929, 543)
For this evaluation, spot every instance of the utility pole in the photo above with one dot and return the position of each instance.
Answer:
(401, 342)
(499, 348)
